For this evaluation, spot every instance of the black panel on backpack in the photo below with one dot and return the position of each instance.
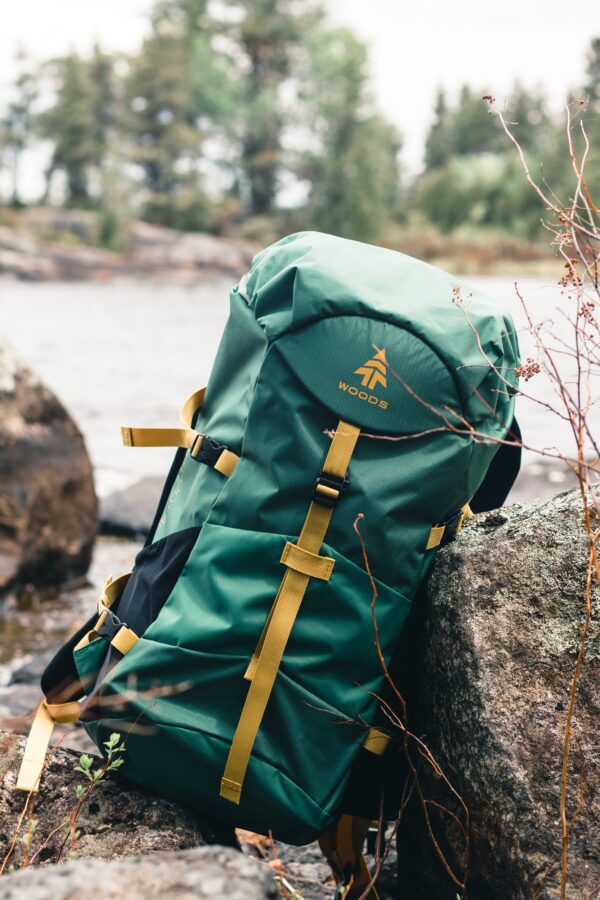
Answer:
(157, 568)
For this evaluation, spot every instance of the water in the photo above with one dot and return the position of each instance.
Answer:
(130, 352)
(123, 353)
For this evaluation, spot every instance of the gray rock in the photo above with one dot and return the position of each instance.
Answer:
(152, 251)
(500, 634)
(48, 510)
(212, 872)
(116, 821)
(130, 511)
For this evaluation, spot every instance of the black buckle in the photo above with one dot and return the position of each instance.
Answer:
(334, 488)
(112, 624)
(450, 528)
(209, 452)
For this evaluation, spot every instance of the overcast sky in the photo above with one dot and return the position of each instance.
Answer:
(415, 46)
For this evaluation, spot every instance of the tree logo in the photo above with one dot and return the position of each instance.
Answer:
(374, 371)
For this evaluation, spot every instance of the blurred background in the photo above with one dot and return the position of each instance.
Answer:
(252, 118)
(149, 147)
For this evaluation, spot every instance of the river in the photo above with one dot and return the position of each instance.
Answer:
(127, 352)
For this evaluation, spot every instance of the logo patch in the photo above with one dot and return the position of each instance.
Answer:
(374, 371)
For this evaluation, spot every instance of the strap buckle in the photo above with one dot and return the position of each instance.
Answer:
(209, 452)
(329, 488)
(452, 527)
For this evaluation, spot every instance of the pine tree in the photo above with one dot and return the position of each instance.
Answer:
(438, 146)
(71, 124)
(16, 125)
(268, 36)
(353, 172)
(161, 134)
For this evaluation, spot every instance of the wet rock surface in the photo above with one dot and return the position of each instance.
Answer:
(48, 509)
(209, 872)
(498, 640)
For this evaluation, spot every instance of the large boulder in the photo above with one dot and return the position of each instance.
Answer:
(205, 872)
(48, 508)
(499, 635)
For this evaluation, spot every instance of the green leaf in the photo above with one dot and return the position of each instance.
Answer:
(112, 742)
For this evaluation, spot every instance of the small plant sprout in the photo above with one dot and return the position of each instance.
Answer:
(114, 760)
(27, 838)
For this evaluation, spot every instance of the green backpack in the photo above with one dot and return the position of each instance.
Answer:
(354, 408)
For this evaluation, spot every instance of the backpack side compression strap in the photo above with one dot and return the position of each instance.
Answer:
(265, 663)
(201, 446)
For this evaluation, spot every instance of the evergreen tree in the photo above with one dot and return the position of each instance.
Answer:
(592, 85)
(104, 99)
(16, 124)
(268, 36)
(438, 145)
(473, 129)
(71, 124)
(164, 141)
(353, 171)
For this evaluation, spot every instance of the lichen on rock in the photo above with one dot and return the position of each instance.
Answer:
(499, 634)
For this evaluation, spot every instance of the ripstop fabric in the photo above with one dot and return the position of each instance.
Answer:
(322, 331)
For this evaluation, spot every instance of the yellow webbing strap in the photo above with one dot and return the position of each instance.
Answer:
(112, 590)
(376, 741)
(124, 640)
(436, 535)
(170, 437)
(311, 564)
(342, 847)
(226, 463)
(39, 737)
(186, 437)
(267, 657)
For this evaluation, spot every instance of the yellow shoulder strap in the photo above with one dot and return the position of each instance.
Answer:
(342, 847)
(265, 663)
(32, 764)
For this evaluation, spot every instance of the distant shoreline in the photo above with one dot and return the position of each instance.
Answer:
(47, 244)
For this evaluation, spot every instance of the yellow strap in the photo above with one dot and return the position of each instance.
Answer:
(186, 437)
(170, 437)
(124, 640)
(342, 846)
(113, 588)
(39, 737)
(376, 741)
(191, 405)
(436, 535)
(160, 437)
(281, 619)
(226, 463)
(311, 564)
